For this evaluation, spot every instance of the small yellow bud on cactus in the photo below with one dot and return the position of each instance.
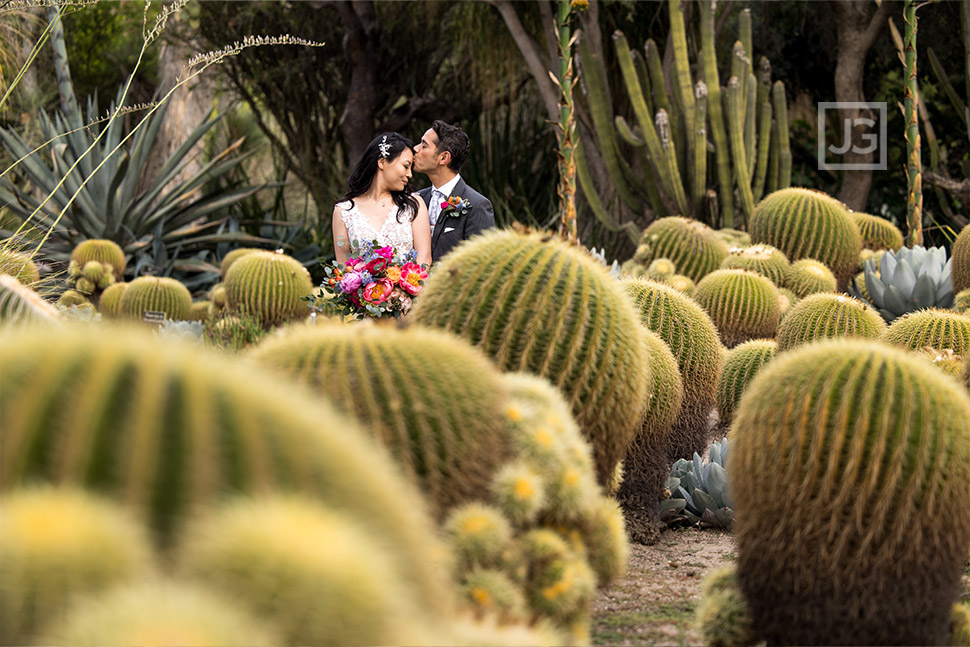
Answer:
(479, 533)
(519, 491)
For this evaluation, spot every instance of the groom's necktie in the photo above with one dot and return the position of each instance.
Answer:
(437, 197)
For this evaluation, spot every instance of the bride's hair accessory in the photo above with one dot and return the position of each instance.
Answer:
(385, 147)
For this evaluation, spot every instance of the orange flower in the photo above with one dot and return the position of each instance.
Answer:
(393, 273)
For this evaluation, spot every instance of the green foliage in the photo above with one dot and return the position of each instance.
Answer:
(808, 276)
(21, 305)
(723, 617)
(545, 307)
(440, 420)
(170, 430)
(19, 266)
(160, 612)
(690, 245)
(876, 232)
(763, 259)
(909, 280)
(742, 304)
(59, 544)
(157, 294)
(960, 261)
(268, 285)
(740, 367)
(699, 490)
(803, 223)
(939, 329)
(821, 316)
(841, 422)
(314, 571)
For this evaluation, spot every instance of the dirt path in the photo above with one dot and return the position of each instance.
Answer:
(654, 604)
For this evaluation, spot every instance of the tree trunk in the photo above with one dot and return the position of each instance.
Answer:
(357, 119)
(856, 34)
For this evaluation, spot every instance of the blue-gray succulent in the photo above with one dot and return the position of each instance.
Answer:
(699, 490)
(908, 280)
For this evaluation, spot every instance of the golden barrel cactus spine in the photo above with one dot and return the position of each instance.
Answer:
(156, 294)
(105, 252)
(871, 444)
(763, 259)
(876, 232)
(19, 265)
(234, 256)
(268, 285)
(808, 276)
(693, 247)
(934, 327)
(20, 304)
(822, 316)
(742, 304)
(110, 303)
(740, 367)
(960, 263)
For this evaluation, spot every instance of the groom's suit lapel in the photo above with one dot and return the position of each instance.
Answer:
(439, 226)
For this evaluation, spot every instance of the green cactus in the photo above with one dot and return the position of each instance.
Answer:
(480, 535)
(804, 223)
(808, 276)
(842, 422)
(960, 625)
(544, 307)
(234, 256)
(268, 285)
(661, 269)
(763, 259)
(440, 419)
(21, 305)
(313, 570)
(734, 237)
(740, 367)
(965, 373)
(19, 266)
(940, 329)
(786, 300)
(157, 294)
(961, 302)
(199, 311)
(558, 582)
(682, 283)
(59, 544)
(603, 534)
(691, 246)
(821, 316)
(960, 261)
(743, 305)
(877, 233)
(109, 305)
(105, 252)
(519, 490)
(945, 360)
(170, 430)
(73, 298)
(692, 337)
(723, 616)
(158, 613)
(491, 592)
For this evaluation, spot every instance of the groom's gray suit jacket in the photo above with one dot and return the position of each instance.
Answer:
(451, 230)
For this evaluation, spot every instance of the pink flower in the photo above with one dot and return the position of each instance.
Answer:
(385, 252)
(377, 265)
(378, 291)
(350, 282)
(411, 277)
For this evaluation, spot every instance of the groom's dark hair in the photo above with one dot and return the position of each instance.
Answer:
(452, 139)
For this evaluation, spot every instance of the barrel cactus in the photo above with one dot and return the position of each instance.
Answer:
(876, 232)
(268, 285)
(73, 298)
(105, 252)
(234, 256)
(909, 280)
(682, 283)
(439, 418)
(960, 256)
(156, 294)
(109, 305)
(961, 301)
(740, 367)
(821, 316)
(734, 237)
(200, 310)
(786, 300)
(693, 339)
(19, 265)
(939, 329)
(661, 269)
(808, 276)
(59, 544)
(171, 430)
(804, 223)
(692, 246)
(845, 422)
(20, 304)
(723, 616)
(742, 304)
(542, 306)
(763, 259)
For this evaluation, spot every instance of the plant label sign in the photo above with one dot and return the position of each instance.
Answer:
(153, 317)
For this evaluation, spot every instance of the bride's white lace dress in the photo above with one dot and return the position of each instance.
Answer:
(396, 234)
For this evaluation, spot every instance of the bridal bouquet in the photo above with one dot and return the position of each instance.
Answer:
(374, 282)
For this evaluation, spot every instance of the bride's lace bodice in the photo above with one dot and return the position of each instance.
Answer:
(393, 233)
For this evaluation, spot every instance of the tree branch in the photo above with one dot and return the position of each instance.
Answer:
(876, 24)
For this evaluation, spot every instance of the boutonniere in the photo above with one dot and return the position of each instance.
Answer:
(455, 206)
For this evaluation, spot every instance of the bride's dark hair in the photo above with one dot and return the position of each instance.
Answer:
(389, 146)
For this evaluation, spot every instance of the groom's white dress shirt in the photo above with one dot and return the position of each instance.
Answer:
(439, 195)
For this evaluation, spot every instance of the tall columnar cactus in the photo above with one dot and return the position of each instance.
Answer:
(691, 245)
(268, 285)
(440, 419)
(763, 259)
(156, 294)
(19, 304)
(740, 367)
(914, 165)
(821, 316)
(808, 276)
(804, 223)
(19, 266)
(314, 572)
(960, 261)
(876, 232)
(693, 339)
(743, 305)
(170, 431)
(106, 252)
(545, 307)
(160, 612)
(939, 329)
(59, 544)
(871, 445)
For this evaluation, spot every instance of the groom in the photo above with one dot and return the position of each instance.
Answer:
(439, 155)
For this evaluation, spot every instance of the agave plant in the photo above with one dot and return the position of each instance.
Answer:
(699, 492)
(156, 219)
(908, 280)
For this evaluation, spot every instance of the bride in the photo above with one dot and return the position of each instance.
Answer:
(379, 204)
